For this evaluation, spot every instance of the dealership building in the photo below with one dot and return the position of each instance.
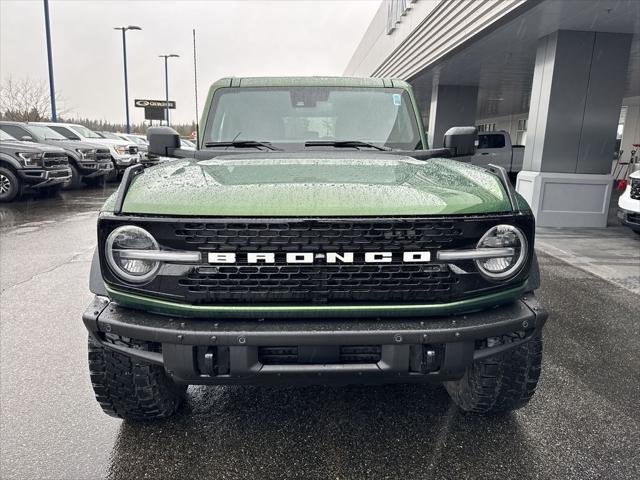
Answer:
(562, 77)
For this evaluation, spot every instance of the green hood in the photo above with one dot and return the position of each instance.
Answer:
(314, 184)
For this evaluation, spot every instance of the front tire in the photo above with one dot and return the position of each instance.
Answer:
(75, 181)
(130, 389)
(9, 185)
(500, 383)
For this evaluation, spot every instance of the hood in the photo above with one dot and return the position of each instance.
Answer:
(74, 144)
(19, 146)
(109, 142)
(314, 184)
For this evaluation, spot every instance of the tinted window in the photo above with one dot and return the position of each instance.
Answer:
(491, 141)
(15, 131)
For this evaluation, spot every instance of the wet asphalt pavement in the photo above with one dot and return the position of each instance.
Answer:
(583, 423)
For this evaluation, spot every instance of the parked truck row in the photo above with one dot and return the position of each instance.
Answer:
(82, 156)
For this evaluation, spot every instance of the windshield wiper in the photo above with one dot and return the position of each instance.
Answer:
(243, 144)
(344, 144)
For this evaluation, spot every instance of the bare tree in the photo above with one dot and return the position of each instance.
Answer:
(25, 100)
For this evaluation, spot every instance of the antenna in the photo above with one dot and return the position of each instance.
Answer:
(195, 82)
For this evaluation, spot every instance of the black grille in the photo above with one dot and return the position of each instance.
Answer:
(318, 236)
(103, 155)
(396, 282)
(133, 150)
(635, 189)
(53, 160)
(320, 282)
(633, 218)
(326, 355)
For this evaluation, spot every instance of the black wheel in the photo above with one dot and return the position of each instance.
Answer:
(9, 185)
(131, 389)
(75, 181)
(500, 383)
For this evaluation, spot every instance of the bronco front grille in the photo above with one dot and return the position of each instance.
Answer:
(337, 283)
(635, 189)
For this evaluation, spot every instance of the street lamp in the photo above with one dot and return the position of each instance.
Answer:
(166, 82)
(124, 53)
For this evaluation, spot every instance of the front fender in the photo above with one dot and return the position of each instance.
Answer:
(96, 283)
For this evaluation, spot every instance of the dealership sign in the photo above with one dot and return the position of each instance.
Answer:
(155, 109)
(155, 103)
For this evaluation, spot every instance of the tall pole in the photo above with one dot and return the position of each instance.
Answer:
(195, 85)
(52, 90)
(166, 82)
(126, 83)
(166, 89)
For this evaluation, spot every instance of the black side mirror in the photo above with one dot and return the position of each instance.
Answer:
(163, 141)
(461, 141)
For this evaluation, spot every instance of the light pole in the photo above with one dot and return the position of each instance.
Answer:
(166, 82)
(124, 54)
(52, 90)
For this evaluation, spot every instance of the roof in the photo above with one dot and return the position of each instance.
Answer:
(311, 82)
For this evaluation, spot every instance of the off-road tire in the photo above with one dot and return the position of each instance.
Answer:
(75, 181)
(500, 383)
(10, 187)
(130, 389)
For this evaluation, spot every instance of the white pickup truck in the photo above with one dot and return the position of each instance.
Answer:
(496, 148)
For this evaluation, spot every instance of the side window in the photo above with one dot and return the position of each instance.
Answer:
(15, 131)
(491, 141)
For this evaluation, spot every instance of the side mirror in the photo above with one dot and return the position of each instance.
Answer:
(26, 138)
(163, 141)
(461, 141)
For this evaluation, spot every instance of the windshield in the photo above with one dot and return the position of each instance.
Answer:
(5, 137)
(45, 132)
(111, 136)
(135, 139)
(84, 131)
(286, 116)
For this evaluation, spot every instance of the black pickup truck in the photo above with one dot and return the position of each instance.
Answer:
(30, 165)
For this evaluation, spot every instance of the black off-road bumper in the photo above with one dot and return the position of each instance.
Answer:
(202, 351)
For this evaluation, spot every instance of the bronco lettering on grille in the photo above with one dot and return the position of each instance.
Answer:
(311, 257)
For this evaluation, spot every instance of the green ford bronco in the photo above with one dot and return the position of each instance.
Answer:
(313, 238)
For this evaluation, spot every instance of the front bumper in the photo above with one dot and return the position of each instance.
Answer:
(123, 162)
(629, 218)
(95, 169)
(213, 351)
(40, 177)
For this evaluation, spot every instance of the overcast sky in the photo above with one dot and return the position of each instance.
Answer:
(235, 38)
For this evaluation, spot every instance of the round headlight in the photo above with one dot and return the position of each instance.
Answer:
(505, 237)
(129, 237)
